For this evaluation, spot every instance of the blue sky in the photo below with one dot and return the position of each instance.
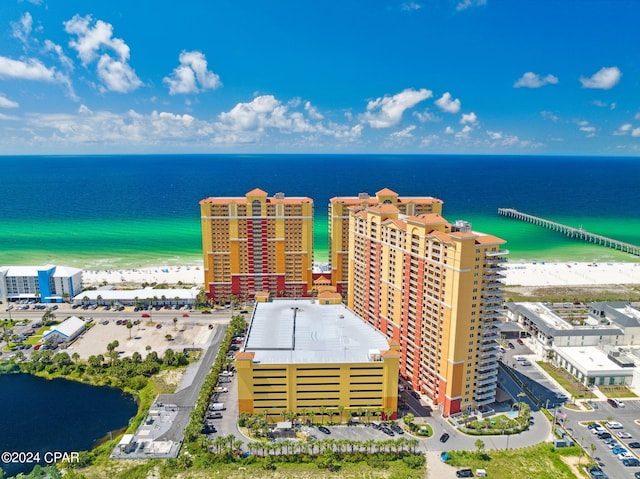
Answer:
(431, 76)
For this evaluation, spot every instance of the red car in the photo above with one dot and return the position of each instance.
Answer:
(519, 341)
(158, 326)
(146, 315)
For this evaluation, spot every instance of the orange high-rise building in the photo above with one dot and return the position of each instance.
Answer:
(257, 243)
(434, 287)
(339, 225)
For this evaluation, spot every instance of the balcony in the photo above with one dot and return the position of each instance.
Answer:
(488, 380)
(487, 360)
(486, 389)
(484, 395)
(486, 370)
(484, 402)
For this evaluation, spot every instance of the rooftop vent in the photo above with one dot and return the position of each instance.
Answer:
(279, 196)
(363, 196)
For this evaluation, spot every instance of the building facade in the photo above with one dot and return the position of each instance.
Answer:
(257, 243)
(436, 289)
(339, 225)
(45, 284)
(308, 358)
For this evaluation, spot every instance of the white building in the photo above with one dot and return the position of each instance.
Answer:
(45, 284)
(133, 297)
(66, 331)
(598, 344)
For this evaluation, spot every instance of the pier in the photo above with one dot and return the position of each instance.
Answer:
(577, 233)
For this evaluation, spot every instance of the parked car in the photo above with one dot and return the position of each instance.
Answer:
(324, 429)
(624, 435)
(444, 438)
(214, 415)
(634, 445)
(618, 450)
(604, 435)
(597, 473)
(511, 345)
(397, 429)
(614, 425)
(464, 473)
(631, 462)
(520, 341)
(387, 431)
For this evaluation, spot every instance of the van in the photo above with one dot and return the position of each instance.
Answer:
(376, 424)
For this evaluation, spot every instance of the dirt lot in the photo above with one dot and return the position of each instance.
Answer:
(186, 335)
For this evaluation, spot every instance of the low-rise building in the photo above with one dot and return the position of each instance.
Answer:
(308, 358)
(45, 284)
(134, 297)
(66, 331)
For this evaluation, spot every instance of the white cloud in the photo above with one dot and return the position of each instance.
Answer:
(22, 29)
(464, 4)
(549, 115)
(6, 103)
(312, 111)
(469, 119)
(447, 104)
(635, 132)
(636, 116)
(387, 111)
(95, 41)
(623, 129)
(603, 104)
(49, 46)
(406, 133)
(116, 75)
(448, 130)
(426, 116)
(604, 79)
(495, 135)
(192, 76)
(533, 80)
(585, 127)
(410, 6)
(31, 69)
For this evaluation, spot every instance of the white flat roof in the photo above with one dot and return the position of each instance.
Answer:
(550, 318)
(68, 327)
(141, 294)
(59, 271)
(590, 361)
(318, 333)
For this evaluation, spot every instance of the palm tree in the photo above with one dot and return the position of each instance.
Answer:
(175, 323)
(323, 411)
(75, 357)
(129, 327)
(48, 316)
(340, 410)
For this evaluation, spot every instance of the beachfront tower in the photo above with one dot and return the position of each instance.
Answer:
(257, 243)
(339, 225)
(435, 288)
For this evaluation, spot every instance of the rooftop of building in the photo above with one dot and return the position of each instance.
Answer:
(592, 360)
(32, 271)
(277, 198)
(110, 294)
(385, 192)
(551, 323)
(303, 331)
(68, 327)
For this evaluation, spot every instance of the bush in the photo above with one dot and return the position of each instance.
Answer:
(415, 461)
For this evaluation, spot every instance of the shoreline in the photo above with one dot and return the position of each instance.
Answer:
(521, 273)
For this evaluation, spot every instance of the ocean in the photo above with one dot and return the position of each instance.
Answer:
(125, 211)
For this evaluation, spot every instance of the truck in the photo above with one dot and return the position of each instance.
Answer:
(217, 406)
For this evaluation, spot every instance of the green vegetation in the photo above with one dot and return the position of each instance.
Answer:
(565, 379)
(563, 294)
(617, 392)
(542, 461)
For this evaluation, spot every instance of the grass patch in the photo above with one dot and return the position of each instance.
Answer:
(255, 470)
(542, 461)
(567, 381)
(617, 392)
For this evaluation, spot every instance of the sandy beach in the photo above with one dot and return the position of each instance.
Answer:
(517, 274)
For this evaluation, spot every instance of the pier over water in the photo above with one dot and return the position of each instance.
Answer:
(577, 233)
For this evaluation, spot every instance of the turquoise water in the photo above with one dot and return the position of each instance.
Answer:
(132, 211)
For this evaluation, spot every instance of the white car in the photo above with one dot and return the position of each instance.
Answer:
(597, 430)
(220, 389)
(614, 425)
(625, 455)
(624, 435)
